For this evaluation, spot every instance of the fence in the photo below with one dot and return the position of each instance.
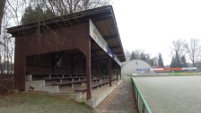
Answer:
(141, 103)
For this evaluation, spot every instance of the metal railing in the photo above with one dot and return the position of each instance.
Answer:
(141, 103)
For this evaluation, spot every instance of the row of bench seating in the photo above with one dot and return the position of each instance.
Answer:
(79, 91)
(93, 86)
(64, 74)
(72, 79)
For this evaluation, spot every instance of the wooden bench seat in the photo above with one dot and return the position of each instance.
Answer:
(57, 78)
(82, 89)
(47, 76)
(64, 78)
(69, 83)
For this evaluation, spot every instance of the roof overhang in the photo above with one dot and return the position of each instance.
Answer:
(102, 17)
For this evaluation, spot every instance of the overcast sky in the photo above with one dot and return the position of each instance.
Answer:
(152, 25)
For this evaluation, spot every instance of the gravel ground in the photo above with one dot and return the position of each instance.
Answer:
(174, 94)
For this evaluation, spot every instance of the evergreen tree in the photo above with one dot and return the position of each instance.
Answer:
(133, 56)
(154, 62)
(183, 61)
(49, 14)
(160, 61)
(36, 14)
(148, 60)
(173, 63)
(177, 60)
(143, 57)
(27, 17)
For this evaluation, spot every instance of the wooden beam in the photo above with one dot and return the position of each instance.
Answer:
(58, 57)
(76, 61)
(101, 17)
(97, 60)
(107, 55)
(38, 65)
(97, 50)
(99, 56)
(112, 47)
(44, 66)
(118, 53)
(110, 37)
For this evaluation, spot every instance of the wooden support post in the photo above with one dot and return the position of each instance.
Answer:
(53, 65)
(88, 69)
(117, 77)
(117, 72)
(72, 86)
(72, 60)
(20, 69)
(109, 72)
(120, 71)
(84, 65)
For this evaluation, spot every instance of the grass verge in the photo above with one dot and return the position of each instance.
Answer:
(41, 103)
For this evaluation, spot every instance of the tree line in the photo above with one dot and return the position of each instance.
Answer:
(183, 51)
(141, 55)
(184, 54)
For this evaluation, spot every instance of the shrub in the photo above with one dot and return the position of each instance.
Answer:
(6, 84)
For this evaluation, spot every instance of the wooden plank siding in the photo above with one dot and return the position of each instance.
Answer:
(69, 38)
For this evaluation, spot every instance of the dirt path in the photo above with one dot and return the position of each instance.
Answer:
(121, 100)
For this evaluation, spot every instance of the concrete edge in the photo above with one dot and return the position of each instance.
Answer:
(97, 101)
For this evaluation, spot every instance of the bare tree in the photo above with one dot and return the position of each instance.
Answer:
(2, 5)
(178, 46)
(193, 50)
(9, 17)
(139, 53)
(127, 54)
(63, 7)
(154, 61)
(6, 49)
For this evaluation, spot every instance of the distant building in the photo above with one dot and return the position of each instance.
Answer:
(131, 67)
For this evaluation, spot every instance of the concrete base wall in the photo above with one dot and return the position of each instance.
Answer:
(40, 86)
(96, 101)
